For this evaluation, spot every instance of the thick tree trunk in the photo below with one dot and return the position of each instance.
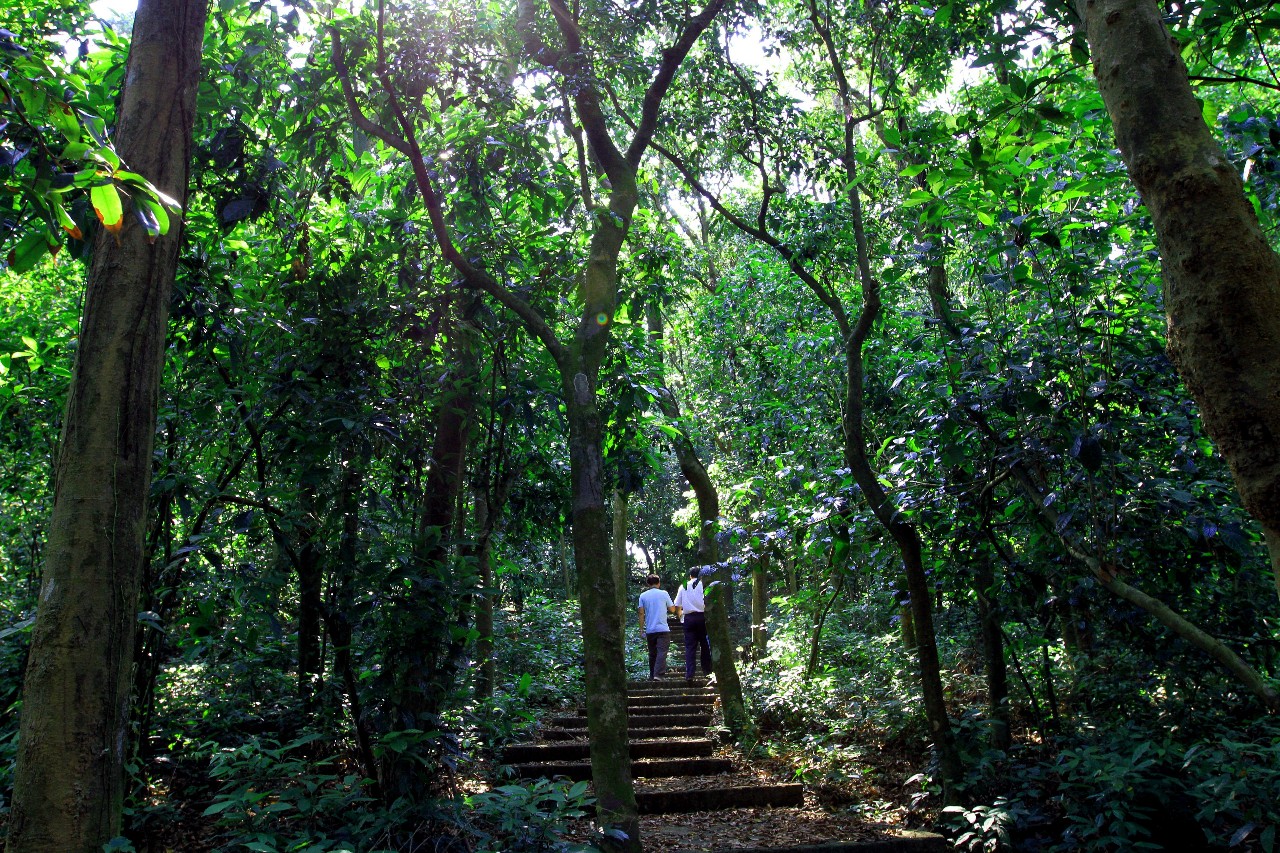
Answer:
(602, 623)
(729, 686)
(69, 779)
(1222, 280)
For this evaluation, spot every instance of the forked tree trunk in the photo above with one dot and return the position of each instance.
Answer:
(69, 779)
(1222, 280)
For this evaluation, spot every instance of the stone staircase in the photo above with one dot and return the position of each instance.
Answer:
(667, 726)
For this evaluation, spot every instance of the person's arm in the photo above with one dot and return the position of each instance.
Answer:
(671, 607)
(641, 617)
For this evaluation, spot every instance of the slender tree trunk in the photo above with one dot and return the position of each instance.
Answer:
(993, 655)
(728, 684)
(759, 605)
(1221, 277)
(336, 618)
(310, 570)
(815, 644)
(486, 669)
(69, 778)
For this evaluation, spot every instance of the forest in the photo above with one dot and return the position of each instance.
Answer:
(359, 361)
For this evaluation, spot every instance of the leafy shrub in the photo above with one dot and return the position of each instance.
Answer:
(530, 818)
(275, 798)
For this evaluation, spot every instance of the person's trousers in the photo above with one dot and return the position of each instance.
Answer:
(695, 638)
(659, 642)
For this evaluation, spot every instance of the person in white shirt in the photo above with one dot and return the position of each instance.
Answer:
(655, 604)
(692, 608)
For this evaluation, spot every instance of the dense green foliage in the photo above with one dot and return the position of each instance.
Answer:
(307, 632)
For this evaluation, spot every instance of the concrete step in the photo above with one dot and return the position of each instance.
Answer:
(638, 721)
(909, 842)
(712, 799)
(565, 750)
(580, 733)
(650, 767)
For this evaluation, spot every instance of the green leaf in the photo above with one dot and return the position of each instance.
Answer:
(157, 212)
(106, 203)
(29, 251)
(64, 119)
(219, 807)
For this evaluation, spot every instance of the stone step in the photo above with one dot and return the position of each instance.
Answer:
(650, 767)
(580, 733)
(638, 721)
(712, 799)
(671, 697)
(662, 688)
(908, 842)
(659, 710)
(671, 682)
(563, 751)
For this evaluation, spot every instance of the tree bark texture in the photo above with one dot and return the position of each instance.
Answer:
(602, 625)
(1221, 278)
(69, 779)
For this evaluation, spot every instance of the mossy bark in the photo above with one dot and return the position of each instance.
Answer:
(69, 777)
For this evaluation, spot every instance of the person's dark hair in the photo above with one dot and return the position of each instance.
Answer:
(695, 572)
(653, 580)
(695, 575)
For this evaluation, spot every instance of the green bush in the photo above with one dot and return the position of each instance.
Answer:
(529, 818)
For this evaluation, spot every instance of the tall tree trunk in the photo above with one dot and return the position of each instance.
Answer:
(759, 605)
(486, 669)
(336, 617)
(69, 779)
(310, 570)
(993, 655)
(423, 669)
(602, 624)
(1221, 278)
